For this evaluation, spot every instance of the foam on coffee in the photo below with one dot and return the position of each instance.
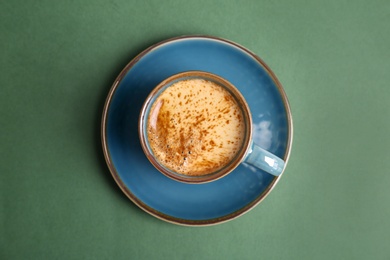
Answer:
(195, 127)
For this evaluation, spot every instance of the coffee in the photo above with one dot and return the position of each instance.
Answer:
(195, 127)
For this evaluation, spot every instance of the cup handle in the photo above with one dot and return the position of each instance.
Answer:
(264, 160)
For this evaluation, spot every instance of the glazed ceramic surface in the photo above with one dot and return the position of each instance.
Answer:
(194, 204)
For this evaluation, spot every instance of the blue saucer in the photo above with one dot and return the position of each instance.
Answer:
(194, 204)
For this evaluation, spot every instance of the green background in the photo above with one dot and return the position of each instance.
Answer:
(58, 60)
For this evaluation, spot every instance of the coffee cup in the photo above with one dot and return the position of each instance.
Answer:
(196, 127)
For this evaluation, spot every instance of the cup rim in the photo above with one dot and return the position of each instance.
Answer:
(225, 170)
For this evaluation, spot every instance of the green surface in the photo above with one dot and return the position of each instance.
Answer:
(57, 62)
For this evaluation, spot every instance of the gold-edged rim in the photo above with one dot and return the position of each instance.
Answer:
(158, 214)
(221, 172)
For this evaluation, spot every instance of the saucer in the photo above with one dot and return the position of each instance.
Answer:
(194, 204)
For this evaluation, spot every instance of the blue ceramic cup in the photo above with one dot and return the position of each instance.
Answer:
(249, 152)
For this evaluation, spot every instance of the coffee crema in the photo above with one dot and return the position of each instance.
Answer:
(195, 127)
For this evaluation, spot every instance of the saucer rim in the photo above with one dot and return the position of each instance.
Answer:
(163, 216)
